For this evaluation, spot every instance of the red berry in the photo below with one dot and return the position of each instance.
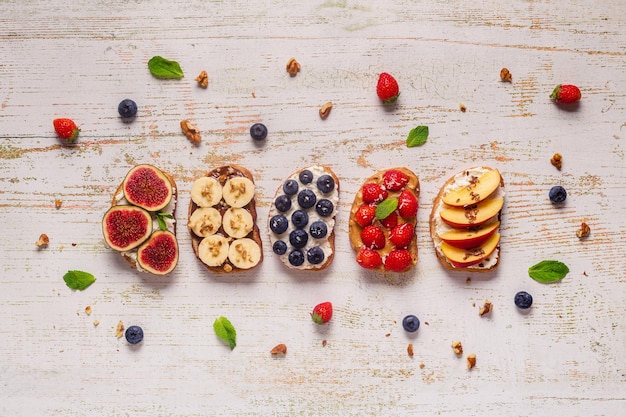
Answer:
(387, 88)
(566, 94)
(372, 237)
(402, 235)
(407, 204)
(365, 215)
(368, 258)
(322, 313)
(390, 221)
(373, 193)
(66, 129)
(398, 260)
(395, 180)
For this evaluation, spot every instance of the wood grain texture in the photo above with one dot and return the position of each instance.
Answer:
(564, 356)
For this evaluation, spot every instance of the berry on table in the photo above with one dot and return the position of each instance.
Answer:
(258, 131)
(322, 313)
(66, 129)
(523, 300)
(134, 334)
(387, 88)
(557, 194)
(127, 108)
(565, 94)
(411, 323)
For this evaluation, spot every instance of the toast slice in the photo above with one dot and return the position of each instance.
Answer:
(222, 220)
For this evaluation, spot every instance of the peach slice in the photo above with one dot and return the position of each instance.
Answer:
(469, 238)
(479, 189)
(462, 258)
(473, 215)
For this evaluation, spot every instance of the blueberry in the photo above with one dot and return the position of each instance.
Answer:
(306, 199)
(523, 299)
(279, 247)
(290, 187)
(306, 176)
(278, 224)
(299, 218)
(298, 238)
(127, 108)
(315, 255)
(411, 323)
(324, 207)
(318, 229)
(282, 203)
(296, 258)
(258, 131)
(557, 194)
(134, 335)
(326, 183)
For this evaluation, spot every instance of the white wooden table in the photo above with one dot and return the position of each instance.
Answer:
(79, 59)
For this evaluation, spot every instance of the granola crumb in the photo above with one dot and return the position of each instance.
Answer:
(486, 308)
(191, 131)
(471, 361)
(119, 330)
(324, 343)
(280, 349)
(88, 310)
(409, 349)
(96, 323)
(388, 334)
(426, 323)
(505, 75)
(457, 347)
(57, 203)
(462, 107)
(422, 365)
(43, 241)
(557, 161)
(293, 67)
(468, 281)
(202, 79)
(584, 231)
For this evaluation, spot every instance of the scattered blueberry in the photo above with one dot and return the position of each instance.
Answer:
(282, 203)
(279, 247)
(326, 183)
(296, 258)
(324, 207)
(298, 238)
(318, 229)
(306, 199)
(127, 108)
(557, 194)
(411, 323)
(523, 300)
(300, 218)
(134, 335)
(306, 176)
(278, 224)
(290, 187)
(315, 255)
(258, 131)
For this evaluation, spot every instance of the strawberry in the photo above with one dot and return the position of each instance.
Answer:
(407, 204)
(372, 237)
(373, 193)
(401, 235)
(565, 93)
(66, 129)
(390, 221)
(395, 180)
(364, 215)
(398, 260)
(322, 313)
(368, 258)
(387, 88)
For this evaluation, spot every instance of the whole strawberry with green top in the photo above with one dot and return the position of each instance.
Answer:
(66, 129)
(322, 313)
(387, 88)
(565, 94)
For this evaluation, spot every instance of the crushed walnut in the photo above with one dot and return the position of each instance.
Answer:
(462, 107)
(584, 231)
(96, 323)
(88, 310)
(457, 347)
(325, 110)
(202, 79)
(119, 329)
(324, 343)
(409, 349)
(279, 349)
(471, 361)
(422, 365)
(43, 241)
(557, 160)
(505, 75)
(191, 131)
(293, 67)
(486, 308)
(57, 203)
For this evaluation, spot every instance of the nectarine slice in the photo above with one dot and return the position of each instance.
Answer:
(462, 258)
(473, 215)
(479, 189)
(469, 238)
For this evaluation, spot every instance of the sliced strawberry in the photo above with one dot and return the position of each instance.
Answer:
(372, 237)
(373, 193)
(401, 235)
(398, 260)
(369, 258)
(390, 221)
(395, 180)
(407, 204)
(365, 215)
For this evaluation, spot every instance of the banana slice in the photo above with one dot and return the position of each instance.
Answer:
(205, 221)
(244, 253)
(213, 250)
(237, 222)
(238, 191)
(206, 192)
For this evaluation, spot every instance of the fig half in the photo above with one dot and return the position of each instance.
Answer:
(147, 187)
(126, 227)
(159, 254)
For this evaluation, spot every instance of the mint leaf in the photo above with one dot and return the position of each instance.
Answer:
(164, 68)
(386, 207)
(160, 216)
(548, 271)
(78, 280)
(225, 330)
(417, 136)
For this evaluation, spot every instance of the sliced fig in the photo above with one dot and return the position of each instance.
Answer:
(147, 187)
(159, 254)
(126, 227)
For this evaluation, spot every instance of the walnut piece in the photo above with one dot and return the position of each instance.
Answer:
(505, 75)
(409, 349)
(584, 231)
(279, 349)
(471, 361)
(202, 79)
(43, 241)
(293, 67)
(191, 131)
(462, 107)
(325, 110)
(88, 310)
(57, 203)
(556, 160)
(119, 330)
(486, 308)
(96, 323)
(457, 347)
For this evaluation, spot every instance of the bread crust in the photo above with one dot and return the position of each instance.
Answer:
(434, 220)
(222, 174)
(354, 229)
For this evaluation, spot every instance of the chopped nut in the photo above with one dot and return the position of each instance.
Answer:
(279, 349)
(462, 107)
(325, 110)
(191, 131)
(119, 330)
(505, 75)
(324, 342)
(409, 349)
(88, 310)
(471, 361)
(486, 308)
(227, 268)
(457, 347)
(293, 67)
(96, 322)
(202, 79)
(556, 160)
(422, 366)
(57, 203)
(43, 240)
(584, 231)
